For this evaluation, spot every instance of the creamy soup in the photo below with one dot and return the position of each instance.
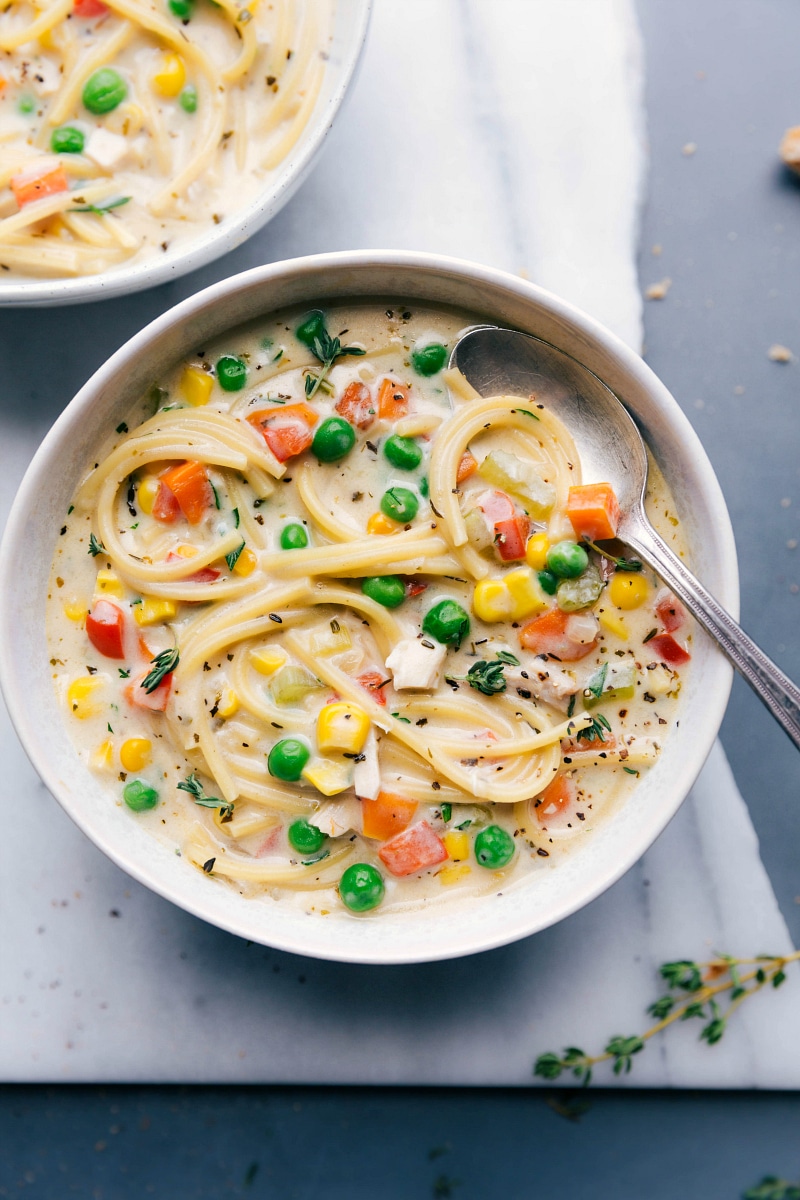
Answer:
(344, 632)
(127, 127)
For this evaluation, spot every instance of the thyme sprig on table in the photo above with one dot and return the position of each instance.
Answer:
(194, 787)
(487, 677)
(772, 1188)
(695, 989)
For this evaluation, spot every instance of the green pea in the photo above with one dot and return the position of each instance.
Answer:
(294, 537)
(548, 582)
(361, 887)
(231, 373)
(429, 359)
(333, 439)
(400, 504)
(139, 796)
(388, 590)
(494, 847)
(402, 452)
(104, 90)
(182, 9)
(26, 104)
(567, 560)
(306, 838)
(446, 622)
(188, 98)
(287, 759)
(312, 329)
(67, 140)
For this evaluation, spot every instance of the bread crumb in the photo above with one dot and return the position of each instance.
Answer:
(689, 149)
(789, 148)
(779, 353)
(657, 291)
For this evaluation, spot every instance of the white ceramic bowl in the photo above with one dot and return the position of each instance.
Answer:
(46, 491)
(351, 19)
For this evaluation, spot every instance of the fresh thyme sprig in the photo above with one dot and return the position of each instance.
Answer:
(620, 564)
(163, 664)
(326, 349)
(194, 787)
(104, 207)
(772, 1188)
(596, 731)
(95, 546)
(232, 558)
(694, 990)
(487, 677)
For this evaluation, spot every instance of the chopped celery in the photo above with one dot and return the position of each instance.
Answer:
(617, 683)
(331, 640)
(513, 474)
(481, 537)
(574, 594)
(291, 685)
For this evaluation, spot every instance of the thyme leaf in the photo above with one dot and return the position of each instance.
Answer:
(162, 665)
(193, 786)
(95, 546)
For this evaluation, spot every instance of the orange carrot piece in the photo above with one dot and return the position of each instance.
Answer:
(392, 399)
(413, 850)
(189, 484)
(28, 186)
(594, 511)
(386, 816)
(468, 466)
(290, 412)
(561, 793)
(548, 634)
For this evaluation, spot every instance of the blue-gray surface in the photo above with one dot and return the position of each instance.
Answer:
(721, 75)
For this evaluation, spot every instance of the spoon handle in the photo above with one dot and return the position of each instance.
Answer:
(776, 690)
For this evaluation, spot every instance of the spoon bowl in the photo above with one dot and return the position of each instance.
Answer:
(497, 361)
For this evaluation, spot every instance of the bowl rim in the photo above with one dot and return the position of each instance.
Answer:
(207, 247)
(69, 423)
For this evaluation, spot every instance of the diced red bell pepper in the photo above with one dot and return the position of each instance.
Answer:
(666, 649)
(415, 587)
(188, 483)
(386, 816)
(371, 682)
(548, 634)
(558, 796)
(356, 405)
(204, 575)
(669, 610)
(89, 8)
(166, 507)
(393, 398)
(105, 626)
(287, 431)
(413, 850)
(511, 538)
(156, 700)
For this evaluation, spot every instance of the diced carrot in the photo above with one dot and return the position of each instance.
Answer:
(511, 538)
(413, 850)
(668, 650)
(386, 816)
(268, 416)
(372, 681)
(594, 511)
(204, 575)
(165, 506)
(497, 506)
(89, 8)
(392, 399)
(559, 795)
(28, 186)
(286, 430)
(548, 634)
(356, 405)
(156, 700)
(468, 466)
(593, 746)
(189, 484)
(669, 610)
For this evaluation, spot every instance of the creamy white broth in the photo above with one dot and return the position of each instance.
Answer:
(207, 107)
(227, 697)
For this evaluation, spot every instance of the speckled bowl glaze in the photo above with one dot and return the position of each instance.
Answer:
(445, 931)
(350, 23)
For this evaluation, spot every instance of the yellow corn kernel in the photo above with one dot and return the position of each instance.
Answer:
(228, 704)
(196, 386)
(342, 727)
(146, 494)
(492, 600)
(135, 753)
(526, 593)
(628, 590)
(109, 583)
(127, 120)
(613, 624)
(328, 776)
(267, 661)
(153, 609)
(456, 843)
(169, 81)
(185, 550)
(45, 40)
(536, 551)
(79, 696)
(103, 756)
(75, 610)
(453, 872)
(380, 523)
(246, 563)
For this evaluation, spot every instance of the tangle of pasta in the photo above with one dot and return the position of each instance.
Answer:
(127, 125)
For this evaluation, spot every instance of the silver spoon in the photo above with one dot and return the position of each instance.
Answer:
(505, 362)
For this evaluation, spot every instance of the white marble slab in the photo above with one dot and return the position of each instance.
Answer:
(508, 131)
